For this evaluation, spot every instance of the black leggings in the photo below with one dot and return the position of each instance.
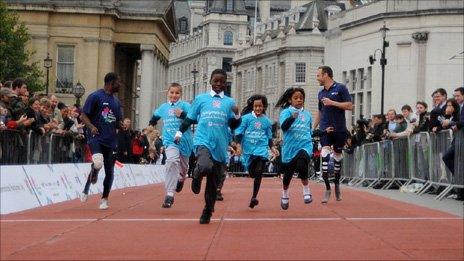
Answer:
(299, 164)
(108, 163)
(256, 169)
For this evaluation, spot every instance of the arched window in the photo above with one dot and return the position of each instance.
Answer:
(228, 38)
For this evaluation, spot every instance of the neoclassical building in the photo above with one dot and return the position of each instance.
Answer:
(211, 43)
(285, 51)
(424, 53)
(87, 39)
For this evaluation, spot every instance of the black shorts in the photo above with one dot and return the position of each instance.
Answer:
(298, 164)
(337, 139)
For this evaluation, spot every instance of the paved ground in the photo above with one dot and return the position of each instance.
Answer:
(362, 226)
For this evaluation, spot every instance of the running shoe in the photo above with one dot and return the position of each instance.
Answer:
(205, 216)
(219, 196)
(284, 202)
(326, 197)
(179, 186)
(338, 194)
(308, 198)
(104, 204)
(253, 202)
(168, 201)
(83, 197)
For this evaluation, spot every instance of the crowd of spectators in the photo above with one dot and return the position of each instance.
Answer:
(445, 113)
(38, 113)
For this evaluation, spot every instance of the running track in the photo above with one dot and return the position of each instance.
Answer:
(362, 226)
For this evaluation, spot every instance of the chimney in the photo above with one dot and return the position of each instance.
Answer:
(264, 10)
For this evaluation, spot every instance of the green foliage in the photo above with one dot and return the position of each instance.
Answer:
(14, 57)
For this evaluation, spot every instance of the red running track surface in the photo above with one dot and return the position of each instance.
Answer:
(362, 226)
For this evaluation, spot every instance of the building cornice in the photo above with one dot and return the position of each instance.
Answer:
(278, 51)
(201, 51)
(381, 16)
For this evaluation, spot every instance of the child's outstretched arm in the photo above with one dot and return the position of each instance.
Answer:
(154, 120)
(183, 128)
(289, 121)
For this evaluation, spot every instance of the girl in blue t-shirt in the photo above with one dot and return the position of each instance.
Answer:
(255, 135)
(297, 148)
(214, 113)
(177, 155)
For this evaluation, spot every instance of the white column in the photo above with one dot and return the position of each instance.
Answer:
(157, 83)
(146, 86)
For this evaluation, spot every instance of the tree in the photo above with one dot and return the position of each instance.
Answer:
(15, 59)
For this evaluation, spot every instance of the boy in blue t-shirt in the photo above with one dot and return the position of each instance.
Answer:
(177, 155)
(102, 116)
(215, 113)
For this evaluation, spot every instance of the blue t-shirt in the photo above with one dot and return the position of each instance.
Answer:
(332, 116)
(298, 136)
(171, 125)
(104, 112)
(213, 114)
(256, 131)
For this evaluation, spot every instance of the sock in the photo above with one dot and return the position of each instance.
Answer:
(171, 194)
(285, 193)
(306, 190)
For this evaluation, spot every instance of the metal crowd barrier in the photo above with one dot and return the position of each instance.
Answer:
(399, 162)
(13, 147)
(19, 147)
(440, 176)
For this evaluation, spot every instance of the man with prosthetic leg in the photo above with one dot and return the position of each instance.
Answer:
(334, 99)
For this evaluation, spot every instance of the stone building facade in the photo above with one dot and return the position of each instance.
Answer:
(425, 52)
(87, 39)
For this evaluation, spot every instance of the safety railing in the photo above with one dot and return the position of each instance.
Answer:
(20, 147)
(399, 162)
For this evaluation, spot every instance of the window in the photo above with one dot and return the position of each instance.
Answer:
(300, 72)
(183, 25)
(228, 38)
(230, 5)
(228, 89)
(227, 64)
(65, 69)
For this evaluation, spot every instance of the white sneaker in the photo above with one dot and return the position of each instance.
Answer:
(83, 197)
(104, 204)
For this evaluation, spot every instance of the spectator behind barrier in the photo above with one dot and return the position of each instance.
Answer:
(125, 136)
(423, 124)
(439, 97)
(450, 118)
(391, 124)
(377, 131)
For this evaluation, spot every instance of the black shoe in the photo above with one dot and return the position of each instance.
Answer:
(93, 176)
(253, 202)
(205, 217)
(168, 201)
(196, 185)
(219, 196)
(180, 185)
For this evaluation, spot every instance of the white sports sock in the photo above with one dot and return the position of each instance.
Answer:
(171, 194)
(306, 190)
(285, 193)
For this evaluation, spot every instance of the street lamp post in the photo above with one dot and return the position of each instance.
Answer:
(383, 62)
(48, 65)
(78, 91)
(194, 72)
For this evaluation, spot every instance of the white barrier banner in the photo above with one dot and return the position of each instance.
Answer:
(48, 187)
(71, 176)
(16, 191)
(30, 186)
(123, 176)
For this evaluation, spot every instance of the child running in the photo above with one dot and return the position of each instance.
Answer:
(215, 112)
(297, 148)
(177, 155)
(255, 135)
